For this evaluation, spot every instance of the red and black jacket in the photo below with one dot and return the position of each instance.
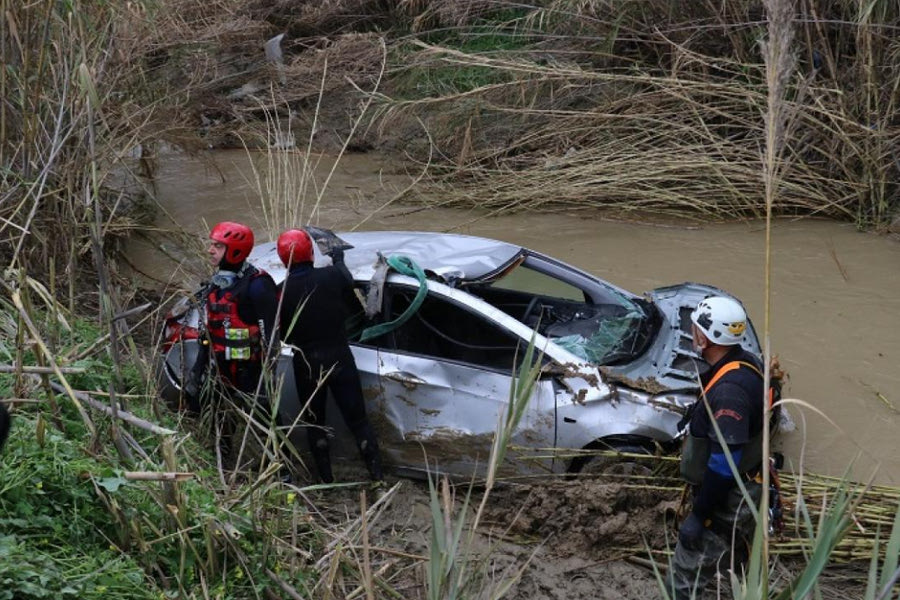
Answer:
(236, 322)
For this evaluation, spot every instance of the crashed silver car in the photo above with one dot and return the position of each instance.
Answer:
(617, 371)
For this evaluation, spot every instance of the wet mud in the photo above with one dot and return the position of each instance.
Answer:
(553, 540)
(593, 518)
(556, 541)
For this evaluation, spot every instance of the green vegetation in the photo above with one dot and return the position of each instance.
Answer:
(83, 520)
(56, 534)
(493, 34)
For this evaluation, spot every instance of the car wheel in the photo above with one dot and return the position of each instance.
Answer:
(612, 465)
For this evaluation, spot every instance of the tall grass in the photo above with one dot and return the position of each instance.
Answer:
(618, 106)
(130, 508)
(52, 150)
(290, 195)
(641, 108)
(154, 514)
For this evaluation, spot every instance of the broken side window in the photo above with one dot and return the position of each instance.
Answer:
(356, 315)
(532, 282)
(603, 332)
(445, 330)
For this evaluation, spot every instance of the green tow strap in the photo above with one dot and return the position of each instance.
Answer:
(405, 266)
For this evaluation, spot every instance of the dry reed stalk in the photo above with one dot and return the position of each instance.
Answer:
(41, 345)
(39, 370)
(116, 413)
(289, 194)
(779, 62)
(831, 163)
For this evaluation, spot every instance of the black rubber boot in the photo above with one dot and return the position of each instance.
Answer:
(372, 457)
(322, 458)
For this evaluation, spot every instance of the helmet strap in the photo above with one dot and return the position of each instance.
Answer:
(224, 265)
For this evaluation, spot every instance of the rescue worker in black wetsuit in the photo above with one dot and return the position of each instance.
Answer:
(239, 306)
(313, 322)
(733, 387)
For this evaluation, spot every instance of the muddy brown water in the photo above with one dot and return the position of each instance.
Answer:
(835, 303)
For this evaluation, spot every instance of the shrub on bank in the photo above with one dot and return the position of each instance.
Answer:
(80, 519)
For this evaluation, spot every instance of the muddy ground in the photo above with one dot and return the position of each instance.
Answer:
(561, 540)
(554, 539)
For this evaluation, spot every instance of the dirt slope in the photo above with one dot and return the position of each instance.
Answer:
(564, 539)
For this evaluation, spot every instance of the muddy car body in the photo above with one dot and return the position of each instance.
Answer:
(617, 369)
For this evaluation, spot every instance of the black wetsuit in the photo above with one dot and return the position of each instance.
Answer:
(735, 399)
(313, 321)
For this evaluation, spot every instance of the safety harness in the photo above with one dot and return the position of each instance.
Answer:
(737, 364)
(233, 339)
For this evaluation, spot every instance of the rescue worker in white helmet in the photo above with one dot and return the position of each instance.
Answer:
(239, 306)
(733, 389)
(313, 321)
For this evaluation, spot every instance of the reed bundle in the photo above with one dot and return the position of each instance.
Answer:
(80, 115)
(665, 116)
(873, 513)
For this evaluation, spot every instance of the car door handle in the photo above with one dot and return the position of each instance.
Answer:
(407, 379)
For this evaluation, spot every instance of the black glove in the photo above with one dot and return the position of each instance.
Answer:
(336, 254)
(686, 419)
(691, 532)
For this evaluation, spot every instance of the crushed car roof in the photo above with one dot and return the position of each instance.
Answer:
(447, 255)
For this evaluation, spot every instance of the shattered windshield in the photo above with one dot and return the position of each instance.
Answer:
(596, 323)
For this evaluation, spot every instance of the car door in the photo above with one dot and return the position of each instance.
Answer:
(445, 377)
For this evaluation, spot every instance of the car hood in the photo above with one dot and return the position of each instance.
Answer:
(670, 363)
(449, 257)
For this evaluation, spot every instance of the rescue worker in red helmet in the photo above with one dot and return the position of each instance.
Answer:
(240, 304)
(733, 388)
(313, 322)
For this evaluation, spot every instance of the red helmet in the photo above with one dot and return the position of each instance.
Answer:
(294, 246)
(238, 240)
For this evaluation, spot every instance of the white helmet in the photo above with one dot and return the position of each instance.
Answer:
(722, 320)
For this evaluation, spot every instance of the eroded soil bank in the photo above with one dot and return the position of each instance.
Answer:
(558, 540)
